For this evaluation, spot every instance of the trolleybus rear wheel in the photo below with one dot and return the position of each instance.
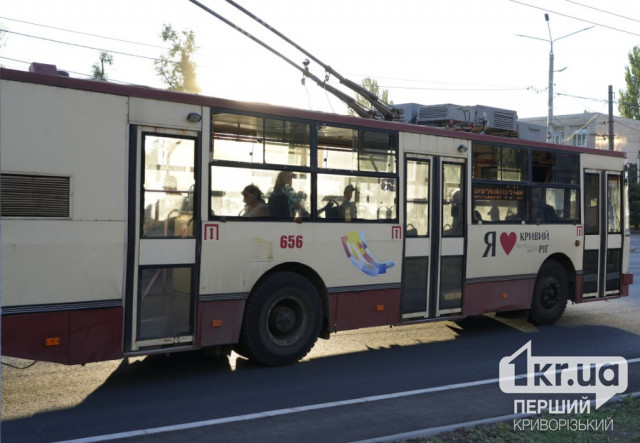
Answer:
(282, 319)
(549, 294)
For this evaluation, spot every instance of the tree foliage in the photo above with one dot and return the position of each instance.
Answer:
(629, 103)
(371, 85)
(98, 67)
(177, 68)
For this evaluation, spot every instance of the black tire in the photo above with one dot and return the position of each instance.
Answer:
(550, 294)
(282, 320)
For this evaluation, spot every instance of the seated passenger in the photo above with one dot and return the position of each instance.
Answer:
(542, 212)
(254, 205)
(494, 213)
(348, 209)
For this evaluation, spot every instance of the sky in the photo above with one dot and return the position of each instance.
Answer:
(463, 52)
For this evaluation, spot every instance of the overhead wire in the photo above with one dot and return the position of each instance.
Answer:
(81, 33)
(603, 10)
(613, 28)
(461, 89)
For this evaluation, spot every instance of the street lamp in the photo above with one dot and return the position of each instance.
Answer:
(551, 71)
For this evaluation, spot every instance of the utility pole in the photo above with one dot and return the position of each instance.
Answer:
(611, 134)
(550, 87)
(551, 71)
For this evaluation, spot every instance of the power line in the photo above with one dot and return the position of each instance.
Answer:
(82, 33)
(575, 18)
(602, 10)
(78, 45)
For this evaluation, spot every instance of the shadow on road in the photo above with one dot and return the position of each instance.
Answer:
(185, 387)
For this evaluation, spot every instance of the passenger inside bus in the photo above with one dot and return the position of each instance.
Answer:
(457, 213)
(494, 213)
(541, 212)
(284, 202)
(159, 217)
(254, 204)
(348, 210)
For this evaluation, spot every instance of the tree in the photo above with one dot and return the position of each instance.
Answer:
(177, 68)
(629, 104)
(98, 68)
(371, 85)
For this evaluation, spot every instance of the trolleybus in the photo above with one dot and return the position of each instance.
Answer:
(139, 221)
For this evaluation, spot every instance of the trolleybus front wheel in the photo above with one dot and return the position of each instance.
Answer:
(282, 319)
(549, 294)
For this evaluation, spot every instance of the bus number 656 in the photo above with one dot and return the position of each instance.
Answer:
(291, 241)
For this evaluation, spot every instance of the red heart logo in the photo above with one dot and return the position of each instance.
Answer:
(508, 241)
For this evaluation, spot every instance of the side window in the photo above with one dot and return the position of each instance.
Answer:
(499, 203)
(265, 167)
(350, 198)
(256, 193)
(168, 188)
(591, 203)
(538, 186)
(554, 205)
(337, 148)
(250, 139)
(356, 174)
(614, 204)
(453, 202)
(417, 217)
(491, 162)
(377, 152)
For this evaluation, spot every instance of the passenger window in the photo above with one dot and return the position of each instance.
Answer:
(249, 139)
(284, 193)
(350, 198)
(500, 163)
(417, 217)
(168, 189)
(614, 207)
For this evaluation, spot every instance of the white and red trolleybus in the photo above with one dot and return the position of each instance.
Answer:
(137, 221)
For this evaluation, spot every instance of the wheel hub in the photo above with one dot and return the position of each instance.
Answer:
(283, 319)
(550, 294)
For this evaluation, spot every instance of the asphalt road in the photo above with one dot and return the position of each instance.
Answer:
(358, 385)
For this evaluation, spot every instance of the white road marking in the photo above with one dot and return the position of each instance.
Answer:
(307, 408)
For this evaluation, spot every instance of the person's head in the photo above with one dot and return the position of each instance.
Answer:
(170, 183)
(284, 178)
(348, 192)
(251, 193)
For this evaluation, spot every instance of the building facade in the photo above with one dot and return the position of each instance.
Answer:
(590, 130)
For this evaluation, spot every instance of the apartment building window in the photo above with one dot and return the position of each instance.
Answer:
(579, 137)
(557, 137)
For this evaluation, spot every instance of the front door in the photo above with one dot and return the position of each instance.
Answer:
(603, 229)
(160, 308)
(434, 236)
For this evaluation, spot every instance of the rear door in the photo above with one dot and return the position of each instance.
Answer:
(434, 236)
(603, 226)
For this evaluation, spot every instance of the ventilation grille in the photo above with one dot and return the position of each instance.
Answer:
(505, 120)
(34, 196)
(435, 112)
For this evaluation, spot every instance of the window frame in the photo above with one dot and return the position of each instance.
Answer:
(313, 168)
(525, 187)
